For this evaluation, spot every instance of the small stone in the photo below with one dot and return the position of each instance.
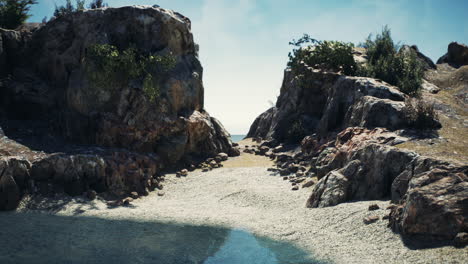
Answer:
(285, 178)
(127, 201)
(295, 188)
(223, 156)
(192, 167)
(161, 193)
(371, 219)
(294, 183)
(213, 164)
(134, 195)
(299, 174)
(177, 174)
(160, 186)
(373, 207)
(385, 217)
(205, 170)
(461, 240)
(91, 194)
(184, 172)
(308, 184)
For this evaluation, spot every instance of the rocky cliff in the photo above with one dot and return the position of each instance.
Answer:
(358, 142)
(131, 133)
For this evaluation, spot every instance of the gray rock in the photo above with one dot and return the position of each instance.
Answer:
(457, 55)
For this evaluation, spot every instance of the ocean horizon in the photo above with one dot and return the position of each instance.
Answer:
(237, 138)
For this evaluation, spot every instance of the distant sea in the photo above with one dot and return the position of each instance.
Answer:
(237, 138)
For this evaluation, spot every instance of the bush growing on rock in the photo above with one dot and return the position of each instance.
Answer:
(68, 8)
(327, 55)
(385, 62)
(14, 13)
(107, 67)
(97, 4)
(420, 114)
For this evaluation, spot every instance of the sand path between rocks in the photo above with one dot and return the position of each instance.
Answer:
(244, 195)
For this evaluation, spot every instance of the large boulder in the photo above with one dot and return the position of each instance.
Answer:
(49, 80)
(14, 174)
(457, 55)
(436, 204)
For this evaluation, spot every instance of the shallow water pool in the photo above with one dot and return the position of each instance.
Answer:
(42, 238)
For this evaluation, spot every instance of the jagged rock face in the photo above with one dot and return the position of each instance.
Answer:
(435, 204)
(431, 195)
(49, 81)
(346, 174)
(326, 102)
(457, 55)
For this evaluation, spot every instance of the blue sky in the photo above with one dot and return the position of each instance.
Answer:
(244, 43)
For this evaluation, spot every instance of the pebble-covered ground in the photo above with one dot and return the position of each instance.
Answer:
(244, 195)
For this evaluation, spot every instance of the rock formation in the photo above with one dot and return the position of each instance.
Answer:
(130, 135)
(351, 130)
(457, 55)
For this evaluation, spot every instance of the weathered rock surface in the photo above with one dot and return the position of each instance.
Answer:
(325, 102)
(432, 195)
(435, 203)
(129, 138)
(457, 55)
(48, 81)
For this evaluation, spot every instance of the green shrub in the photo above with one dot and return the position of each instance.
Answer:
(68, 8)
(328, 55)
(420, 114)
(385, 62)
(13, 13)
(108, 68)
(97, 4)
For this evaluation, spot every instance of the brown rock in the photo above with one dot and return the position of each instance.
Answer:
(134, 195)
(184, 172)
(373, 207)
(295, 188)
(309, 183)
(371, 219)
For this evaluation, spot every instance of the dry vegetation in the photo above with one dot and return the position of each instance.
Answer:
(451, 103)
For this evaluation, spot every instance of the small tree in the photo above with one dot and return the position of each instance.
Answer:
(68, 8)
(14, 13)
(97, 4)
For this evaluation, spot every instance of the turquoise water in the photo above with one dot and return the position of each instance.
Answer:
(237, 138)
(41, 238)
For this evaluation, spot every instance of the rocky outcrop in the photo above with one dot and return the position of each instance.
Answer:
(431, 195)
(49, 81)
(129, 136)
(324, 102)
(457, 55)
(435, 203)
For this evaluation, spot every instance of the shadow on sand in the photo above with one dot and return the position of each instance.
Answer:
(44, 238)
